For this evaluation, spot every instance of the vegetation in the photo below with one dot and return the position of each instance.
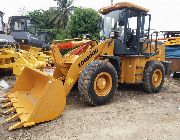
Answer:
(63, 11)
(84, 21)
(66, 21)
(42, 18)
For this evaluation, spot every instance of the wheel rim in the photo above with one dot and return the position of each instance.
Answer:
(103, 84)
(157, 77)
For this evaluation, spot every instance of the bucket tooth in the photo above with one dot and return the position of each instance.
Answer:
(29, 124)
(5, 100)
(11, 96)
(5, 95)
(16, 126)
(12, 118)
(13, 100)
(10, 110)
(7, 105)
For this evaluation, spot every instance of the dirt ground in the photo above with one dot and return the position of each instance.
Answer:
(132, 115)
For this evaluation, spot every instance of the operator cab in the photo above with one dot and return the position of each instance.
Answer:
(1, 23)
(5, 40)
(22, 23)
(128, 24)
(24, 31)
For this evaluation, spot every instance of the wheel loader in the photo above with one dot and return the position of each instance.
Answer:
(1, 23)
(126, 54)
(172, 43)
(12, 58)
(24, 30)
(14, 61)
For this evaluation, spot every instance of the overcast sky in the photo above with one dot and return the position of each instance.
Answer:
(165, 13)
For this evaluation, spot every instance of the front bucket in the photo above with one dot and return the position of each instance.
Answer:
(36, 97)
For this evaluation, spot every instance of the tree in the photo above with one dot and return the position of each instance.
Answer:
(43, 21)
(63, 11)
(42, 18)
(84, 21)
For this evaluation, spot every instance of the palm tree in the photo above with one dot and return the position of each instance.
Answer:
(64, 9)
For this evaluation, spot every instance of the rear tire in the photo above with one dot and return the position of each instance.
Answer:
(98, 82)
(176, 75)
(153, 77)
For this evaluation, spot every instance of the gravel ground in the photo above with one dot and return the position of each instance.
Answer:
(132, 115)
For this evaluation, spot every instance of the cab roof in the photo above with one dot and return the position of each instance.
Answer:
(121, 5)
(19, 17)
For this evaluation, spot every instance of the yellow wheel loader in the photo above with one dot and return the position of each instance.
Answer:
(172, 43)
(24, 31)
(126, 54)
(15, 59)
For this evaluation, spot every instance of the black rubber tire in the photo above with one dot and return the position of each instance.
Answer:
(150, 67)
(6, 72)
(86, 82)
(176, 75)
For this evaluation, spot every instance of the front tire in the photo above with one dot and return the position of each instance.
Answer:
(98, 82)
(153, 77)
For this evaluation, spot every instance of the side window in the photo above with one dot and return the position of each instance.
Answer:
(19, 26)
(132, 25)
(1, 24)
(31, 26)
(146, 26)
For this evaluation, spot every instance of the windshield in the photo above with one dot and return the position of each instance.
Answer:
(23, 25)
(31, 28)
(18, 25)
(111, 22)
